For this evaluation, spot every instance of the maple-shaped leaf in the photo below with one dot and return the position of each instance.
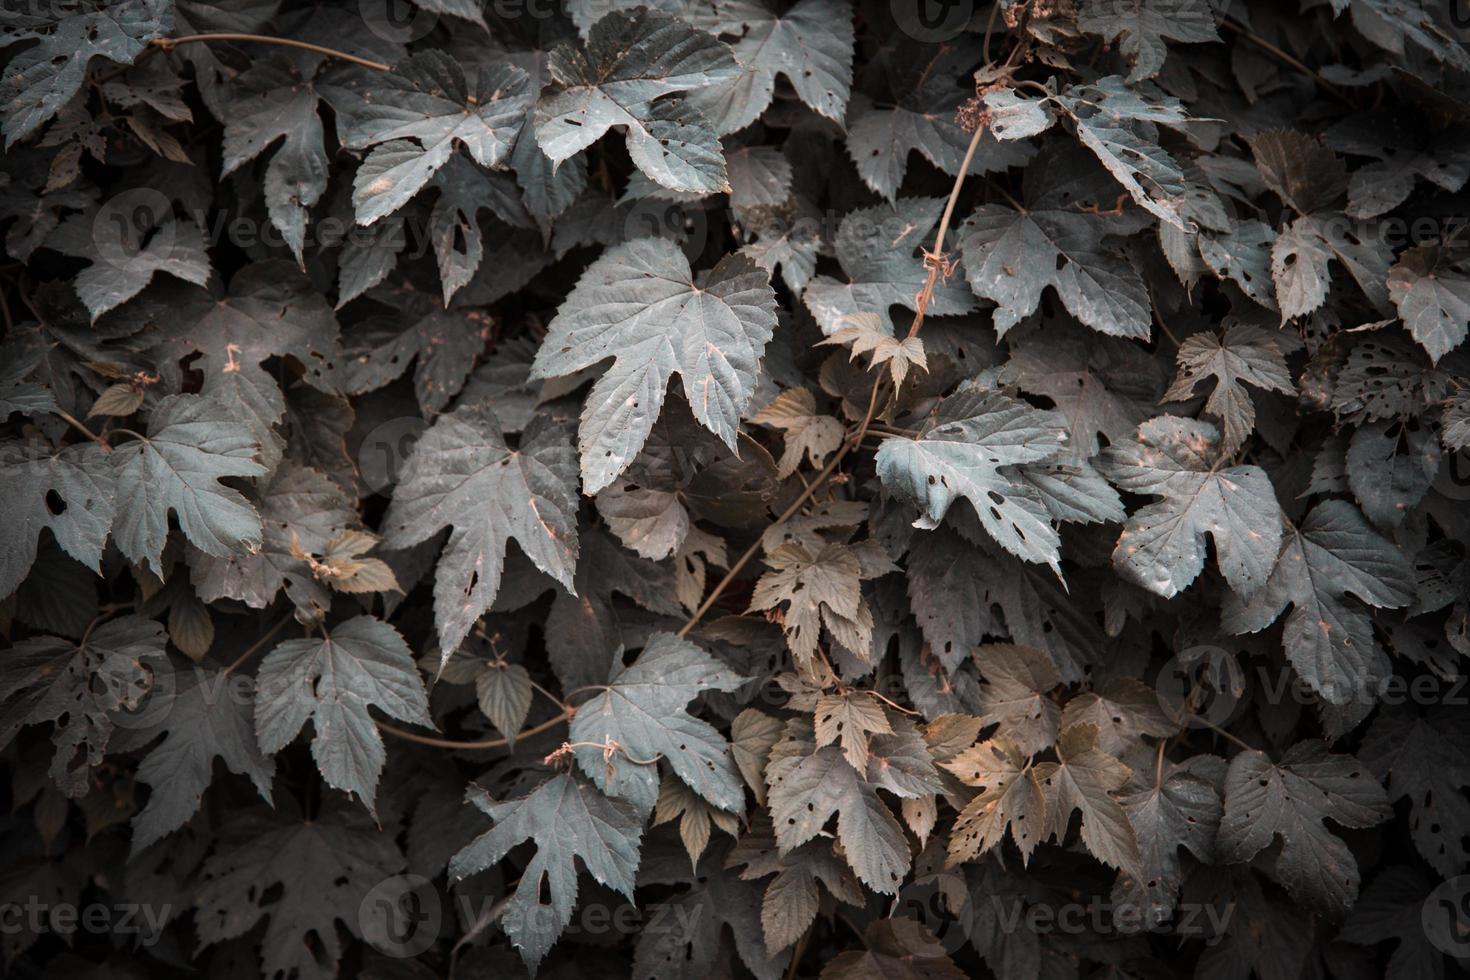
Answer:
(202, 715)
(752, 735)
(630, 75)
(920, 115)
(128, 239)
(1013, 695)
(978, 435)
(643, 710)
(1401, 157)
(1012, 255)
(80, 477)
(442, 345)
(1162, 547)
(1432, 292)
(1423, 759)
(1244, 355)
(880, 250)
(851, 718)
(1117, 123)
(191, 444)
(1329, 557)
(895, 949)
(305, 877)
(454, 227)
(791, 899)
(414, 117)
(695, 815)
(462, 474)
(1123, 710)
(332, 682)
(863, 333)
(1400, 905)
(807, 433)
(1012, 798)
(1102, 386)
(1302, 253)
(302, 512)
(1244, 257)
(810, 44)
(568, 819)
(692, 941)
(275, 104)
(1085, 780)
(1394, 24)
(1176, 811)
(43, 77)
(1143, 27)
(641, 305)
(79, 688)
(1290, 799)
(808, 785)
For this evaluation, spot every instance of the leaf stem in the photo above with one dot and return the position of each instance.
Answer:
(1287, 58)
(489, 743)
(258, 645)
(72, 420)
(169, 43)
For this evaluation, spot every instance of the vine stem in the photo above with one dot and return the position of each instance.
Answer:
(489, 743)
(259, 644)
(169, 43)
(76, 424)
(1287, 58)
(788, 513)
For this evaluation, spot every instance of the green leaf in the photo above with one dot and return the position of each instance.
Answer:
(879, 249)
(414, 118)
(1162, 547)
(1432, 293)
(504, 695)
(192, 443)
(42, 78)
(808, 785)
(635, 64)
(643, 710)
(202, 715)
(978, 435)
(1290, 799)
(332, 682)
(1142, 27)
(79, 688)
(568, 819)
(304, 877)
(641, 305)
(461, 473)
(81, 478)
(810, 44)
(1244, 355)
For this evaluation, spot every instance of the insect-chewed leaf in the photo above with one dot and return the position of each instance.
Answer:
(641, 305)
(644, 711)
(634, 65)
(1332, 555)
(1012, 798)
(809, 784)
(1424, 760)
(81, 478)
(332, 682)
(568, 819)
(979, 434)
(1162, 547)
(461, 473)
(416, 116)
(79, 687)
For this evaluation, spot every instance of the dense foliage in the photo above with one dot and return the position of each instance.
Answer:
(731, 487)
